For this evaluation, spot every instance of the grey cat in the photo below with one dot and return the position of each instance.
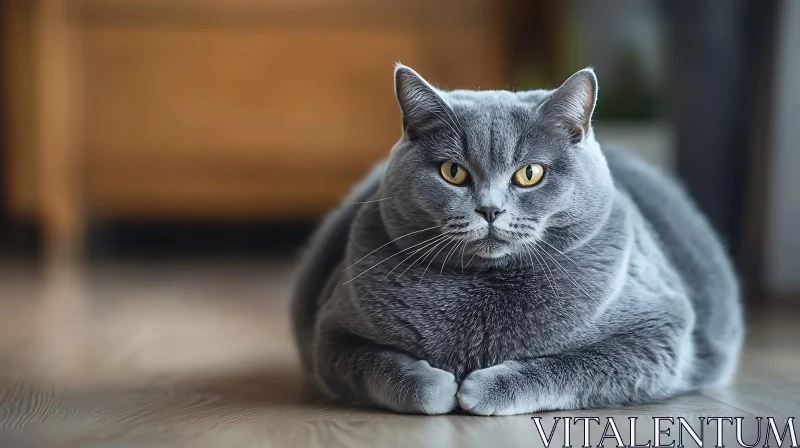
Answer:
(501, 262)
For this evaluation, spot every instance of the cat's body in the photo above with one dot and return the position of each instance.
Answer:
(614, 289)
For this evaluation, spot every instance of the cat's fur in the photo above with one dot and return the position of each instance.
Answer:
(601, 285)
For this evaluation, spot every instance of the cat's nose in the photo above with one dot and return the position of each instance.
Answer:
(489, 213)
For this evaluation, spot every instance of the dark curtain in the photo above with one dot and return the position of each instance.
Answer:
(719, 78)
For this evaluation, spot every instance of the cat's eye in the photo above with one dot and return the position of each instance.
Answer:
(453, 173)
(529, 175)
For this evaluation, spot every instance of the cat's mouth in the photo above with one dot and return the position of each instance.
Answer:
(490, 246)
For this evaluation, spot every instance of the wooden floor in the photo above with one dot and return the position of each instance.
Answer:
(198, 354)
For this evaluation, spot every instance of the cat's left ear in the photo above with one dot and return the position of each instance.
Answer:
(422, 107)
(571, 106)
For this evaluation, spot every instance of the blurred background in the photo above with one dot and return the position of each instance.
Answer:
(162, 162)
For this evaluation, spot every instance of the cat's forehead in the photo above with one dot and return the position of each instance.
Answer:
(475, 98)
(493, 121)
(495, 110)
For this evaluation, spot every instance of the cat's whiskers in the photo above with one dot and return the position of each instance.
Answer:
(452, 238)
(565, 255)
(391, 256)
(470, 260)
(377, 207)
(584, 242)
(552, 279)
(528, 253)
(446, 258)
(422, 257)
(568, 275)
(462, 255)
(519, 259)
(369, 202)
(390, 242)
(427, 243)
(433, 258)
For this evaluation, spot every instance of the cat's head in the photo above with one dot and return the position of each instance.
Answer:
(498, 170)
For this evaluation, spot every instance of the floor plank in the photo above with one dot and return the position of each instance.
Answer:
(199, 355)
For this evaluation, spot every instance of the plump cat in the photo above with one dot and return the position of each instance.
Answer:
(500, 262)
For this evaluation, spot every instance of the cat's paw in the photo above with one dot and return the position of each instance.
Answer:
(496, 390)
(423, 390)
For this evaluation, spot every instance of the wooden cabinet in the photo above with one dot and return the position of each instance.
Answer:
(219, 108)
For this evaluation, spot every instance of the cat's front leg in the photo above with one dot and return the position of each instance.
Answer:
(639, 366)
(354, 370)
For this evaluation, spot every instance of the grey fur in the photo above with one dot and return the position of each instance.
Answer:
(606, 285)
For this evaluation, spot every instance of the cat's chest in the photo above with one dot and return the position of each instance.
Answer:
(466, 322)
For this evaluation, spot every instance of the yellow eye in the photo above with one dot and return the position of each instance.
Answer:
(453, 173)
(529, 175)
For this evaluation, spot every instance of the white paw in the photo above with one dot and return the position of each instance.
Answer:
(425, 390)
(439, 393)
(496, 390)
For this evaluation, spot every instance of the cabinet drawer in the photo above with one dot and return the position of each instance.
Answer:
(278, 98)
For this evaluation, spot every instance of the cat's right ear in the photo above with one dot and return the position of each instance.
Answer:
(570, 107)
(422, 107)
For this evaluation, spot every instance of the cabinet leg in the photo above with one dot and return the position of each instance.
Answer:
(63, 243)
